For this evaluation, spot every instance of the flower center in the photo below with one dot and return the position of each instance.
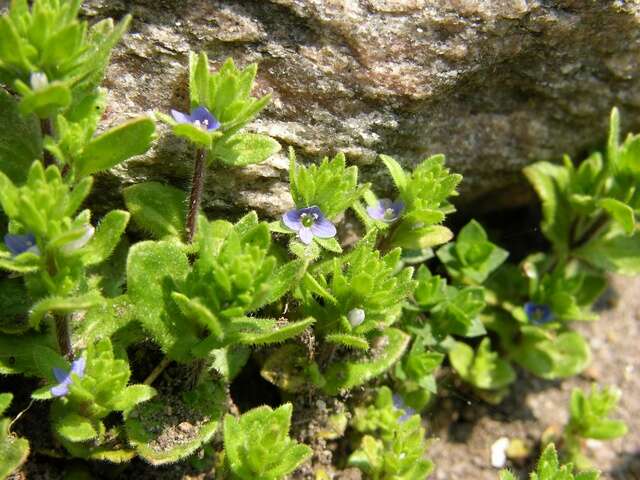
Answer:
(204, 124)
(389, 214)
(308, 219)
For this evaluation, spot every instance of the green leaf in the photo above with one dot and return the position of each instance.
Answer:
(157, 208)
(397, 173)
(330, 244)
(615, 252)
(245, 149)
(132, 396)
(75, 428)
(47, 102)
(106, 238)
(346, 375)
(62, 305)
(620, 212)
(20, 141)
(552, 357)
(347, 340)
(13, 450)
(419, 238)
(257, 444)
(551, 183)
(152, 270)
(276, 335)
(194, 134)
(116, 145)
(198, 79)
(483, 368)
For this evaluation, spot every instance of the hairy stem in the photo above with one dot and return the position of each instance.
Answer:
(197, 187)
(46, 127)
(63, 334)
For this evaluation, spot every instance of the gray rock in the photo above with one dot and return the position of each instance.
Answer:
(494, 85)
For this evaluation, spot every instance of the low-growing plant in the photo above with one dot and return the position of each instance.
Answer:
(549, 468)
(257, 445)
(196, 302)
(589, 419)
(393, 445)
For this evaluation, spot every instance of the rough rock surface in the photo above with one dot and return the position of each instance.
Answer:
(492, 84)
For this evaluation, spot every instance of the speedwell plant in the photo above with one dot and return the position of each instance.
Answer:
(140, 349)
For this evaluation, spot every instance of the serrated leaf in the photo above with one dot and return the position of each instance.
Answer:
(157, 208)
(62, 305)
(397, 173)
(106, 238)
(75, 428)
(152, 270)
(346, 375)
(347, 340)
(276, 335)
(245, 149)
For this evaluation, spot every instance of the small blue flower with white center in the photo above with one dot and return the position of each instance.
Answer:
(538, 314)
(309, 222)
(18, 244)
(398, 402)
(65, 378)
(386, 210)
(200, 117)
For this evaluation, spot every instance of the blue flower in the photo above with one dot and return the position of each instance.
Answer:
(65, 379)
(398, 402)
(309, 222)
(200, 118)
(537, 313)
(18, 244)
(386, 210)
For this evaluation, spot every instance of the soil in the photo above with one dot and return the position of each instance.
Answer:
(464, 428)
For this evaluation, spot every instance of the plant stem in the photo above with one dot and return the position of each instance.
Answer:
(197, 187)
(63, 335)
(157, 371)
(46, 127)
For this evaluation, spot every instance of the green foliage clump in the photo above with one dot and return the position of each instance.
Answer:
(589, 418)
(317, 309)
(258, 447)
(549, 468)
(100, 388)
(393, 446)
(13, 450)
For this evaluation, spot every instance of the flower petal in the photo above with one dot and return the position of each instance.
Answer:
(305, 235)
(292, 220)
(205, 117)
(180, 117)
(18, 244)
(60, 390)
(376, 211)
(78, 365)
(60, 374)
(323, 228)
(313, 210)
(397, 207)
